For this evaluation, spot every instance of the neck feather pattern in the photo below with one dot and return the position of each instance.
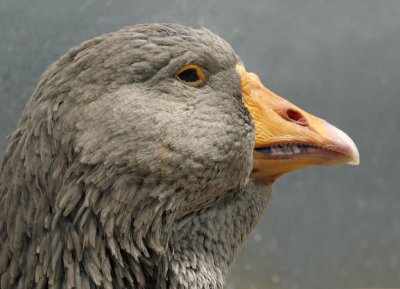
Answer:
(204, 245)
(86, 232)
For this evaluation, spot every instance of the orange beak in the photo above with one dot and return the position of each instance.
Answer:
(287, 137)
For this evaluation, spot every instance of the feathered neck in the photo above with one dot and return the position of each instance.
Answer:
(82, 245)
(63, 227)
(204, 245)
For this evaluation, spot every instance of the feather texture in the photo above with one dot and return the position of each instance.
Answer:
(119, 176)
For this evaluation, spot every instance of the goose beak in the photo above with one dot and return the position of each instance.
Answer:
(287, 137)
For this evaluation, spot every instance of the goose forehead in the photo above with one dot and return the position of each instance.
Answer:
(198, 44)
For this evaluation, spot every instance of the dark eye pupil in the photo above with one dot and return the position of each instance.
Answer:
(189, 75)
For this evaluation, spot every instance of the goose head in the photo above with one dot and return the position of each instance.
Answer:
(144, 159)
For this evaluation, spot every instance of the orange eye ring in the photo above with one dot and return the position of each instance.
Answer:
(192, 75)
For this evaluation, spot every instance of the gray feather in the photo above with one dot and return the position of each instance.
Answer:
(120, 176)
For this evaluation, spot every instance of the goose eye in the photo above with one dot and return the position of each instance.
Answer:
(191, 74)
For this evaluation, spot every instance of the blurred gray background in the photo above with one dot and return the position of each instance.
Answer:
(326, 228)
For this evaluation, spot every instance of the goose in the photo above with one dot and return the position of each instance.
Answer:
(144, 159)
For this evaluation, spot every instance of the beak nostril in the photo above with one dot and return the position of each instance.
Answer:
(297, 117)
